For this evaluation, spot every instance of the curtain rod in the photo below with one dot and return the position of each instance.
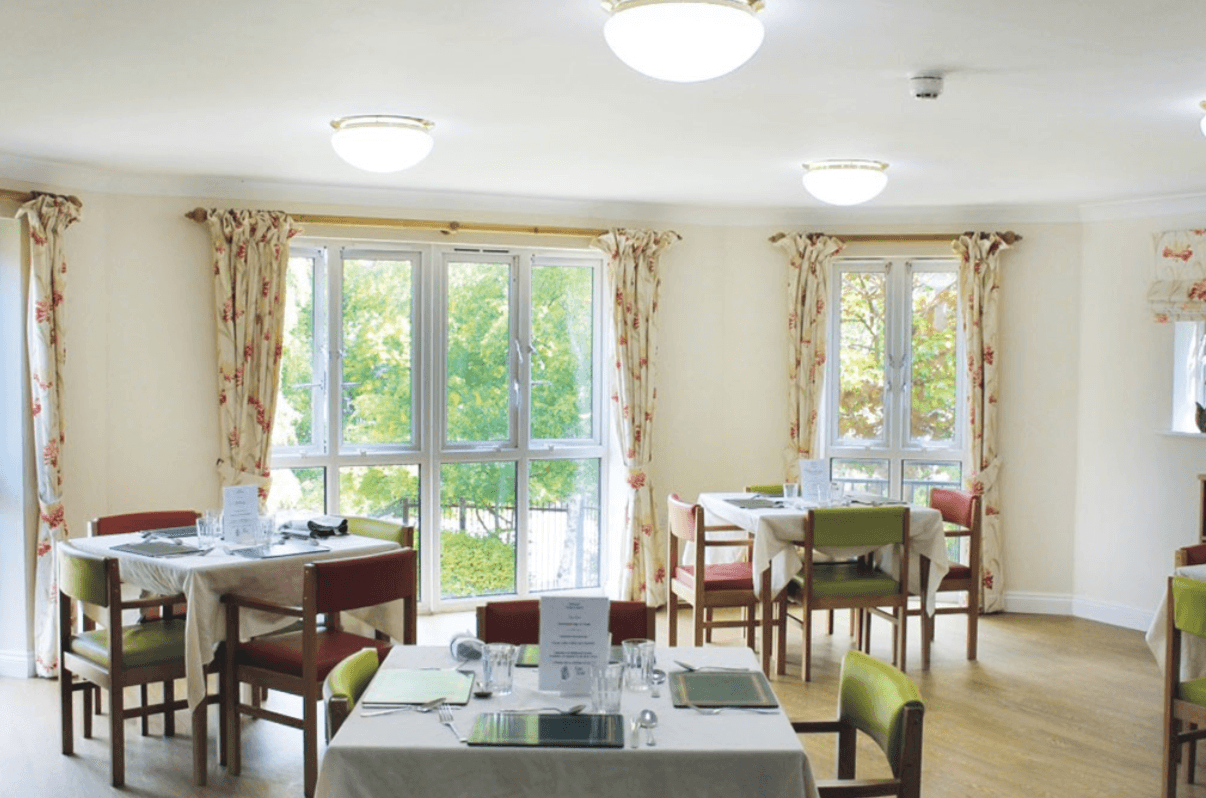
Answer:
(22, 197)
(1009, 237)
(447, 228)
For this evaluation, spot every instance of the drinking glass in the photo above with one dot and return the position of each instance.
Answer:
(791, 490)
(606, 685)
(837, 496)
(638, 662)
(498, 667)
(267, 528)
(209, 528)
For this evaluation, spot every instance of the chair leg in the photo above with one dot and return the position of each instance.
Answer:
(146, 719)
(806, 668)
(201, 744)
(310, 733)
(973, 623)
(672, 618)
(708, 626)
(697, 618)
(117, 736)
(91, 693)
(1191, 756)
(781, 652)
(831, 622)
(169, 714)
(927, 636)
(67, 710)
(902, 635)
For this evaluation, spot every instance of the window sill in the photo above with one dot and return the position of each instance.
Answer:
(1172, 433)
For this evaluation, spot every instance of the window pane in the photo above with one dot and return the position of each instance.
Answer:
(377, 344)
(860, 476)
(293, 424)
(563, 340)
(477, 529)
(861, 358)
(298, 489)
(479, 352)
(921, 475)
(933, 379)
(563, 524)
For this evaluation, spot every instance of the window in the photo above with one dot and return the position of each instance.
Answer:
(461, 380)
(895, 390)
(1189, 375)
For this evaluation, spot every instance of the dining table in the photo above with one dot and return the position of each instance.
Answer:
(778, 526)
(203, 578)
(410, 753)
(1193, 648)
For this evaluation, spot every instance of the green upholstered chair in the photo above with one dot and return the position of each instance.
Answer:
(766, 490)
(118, 656)
(299, 662)
(345, 684)
(857, 585)
(382, 529)
(1184, 702)
(882, 702)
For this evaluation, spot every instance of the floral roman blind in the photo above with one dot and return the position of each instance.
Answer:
(1178, 292)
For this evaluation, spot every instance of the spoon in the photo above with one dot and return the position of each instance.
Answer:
(648, 722)
(426, 706)
(574, 710)
(656, 679)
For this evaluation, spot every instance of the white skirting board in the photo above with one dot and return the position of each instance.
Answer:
(1065, 604)
(17, 664)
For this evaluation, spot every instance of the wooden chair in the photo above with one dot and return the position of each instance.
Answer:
(855, 585)
(961, 519)
(298, 662)
(120, 525)
(882, 702)
(1190, 555)
(706, 587)
(766, 490)
(1183, 701)
(518, 621)
(345, 684)
(120, 656)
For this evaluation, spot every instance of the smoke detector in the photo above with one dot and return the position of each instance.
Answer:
(926, 87)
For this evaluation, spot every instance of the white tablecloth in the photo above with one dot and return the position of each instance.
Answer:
(777, 530)
(203, 579)
(411, 754)
(1193, 648)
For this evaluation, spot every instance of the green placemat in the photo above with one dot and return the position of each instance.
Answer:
(721, 689)
(158, 548)
(397, 686)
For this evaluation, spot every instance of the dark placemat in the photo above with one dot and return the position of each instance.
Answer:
(158, 548)
(556, 731)
(705, 688)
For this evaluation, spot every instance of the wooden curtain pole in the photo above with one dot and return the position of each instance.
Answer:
(447, 228)
(22, 197)
(1009, 237)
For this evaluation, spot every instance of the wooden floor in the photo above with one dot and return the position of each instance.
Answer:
(1054, 707)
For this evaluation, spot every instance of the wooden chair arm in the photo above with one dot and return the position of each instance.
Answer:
(265, 606)
(153, 601)
(817, 726)
(857, 788)
(743, 543)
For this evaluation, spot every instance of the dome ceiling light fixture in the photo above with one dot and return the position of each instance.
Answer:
(382, 143)
(683, 41)
(845, 182)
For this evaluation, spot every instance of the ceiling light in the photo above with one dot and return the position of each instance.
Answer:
(683, 41)
(845, 182)
(382, 143)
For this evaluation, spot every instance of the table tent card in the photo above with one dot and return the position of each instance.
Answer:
(814, 481)
(573, 640)
(240, 514)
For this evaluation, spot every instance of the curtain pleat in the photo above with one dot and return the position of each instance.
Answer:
(250, 259)
(632, 272)
(48, 217)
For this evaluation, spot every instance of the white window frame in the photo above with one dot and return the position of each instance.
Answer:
(429, 448)
(897, 447)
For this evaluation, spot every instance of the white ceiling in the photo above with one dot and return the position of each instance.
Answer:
(1047, 102)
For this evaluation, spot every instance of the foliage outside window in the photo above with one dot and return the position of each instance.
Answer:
(459, 380)
(895, 395)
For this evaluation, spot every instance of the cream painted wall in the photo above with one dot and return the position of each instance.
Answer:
(1137, 494)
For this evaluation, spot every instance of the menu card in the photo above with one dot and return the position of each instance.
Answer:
(241, 513)
(814, 481)
(573, 639)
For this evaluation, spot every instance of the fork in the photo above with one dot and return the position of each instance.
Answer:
(446, 719)
(718, 710)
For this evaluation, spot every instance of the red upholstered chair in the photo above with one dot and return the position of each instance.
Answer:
(722, 585)
(1190, 555)
(518, 621)
(299, 662)
(120, 525)
(961, 518)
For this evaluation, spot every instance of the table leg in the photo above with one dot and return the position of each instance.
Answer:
(768, 625)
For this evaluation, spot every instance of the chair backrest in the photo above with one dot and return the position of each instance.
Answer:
(355, 582)
(1190, 555)
(766, 490)
(141, 522)
(874, 697)
(957, 506)
(86, 577)
(1189, 605)
(857, 526)
(344, 685)
(518, 621)
(685, 519)
(382, 529)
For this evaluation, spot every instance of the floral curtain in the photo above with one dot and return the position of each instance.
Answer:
(632, 272)
(1179, 291)
(979, 309)
(48, 217)
(250, 257)
(809, 256)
